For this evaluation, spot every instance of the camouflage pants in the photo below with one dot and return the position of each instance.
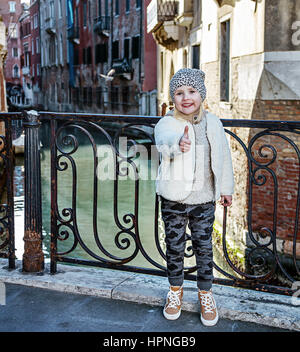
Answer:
(200, 219)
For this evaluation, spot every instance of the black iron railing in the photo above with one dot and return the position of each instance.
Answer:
(261, 264)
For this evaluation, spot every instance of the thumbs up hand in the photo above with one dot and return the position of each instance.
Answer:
(185, 142)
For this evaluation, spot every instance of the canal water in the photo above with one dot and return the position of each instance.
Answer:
(114, 241)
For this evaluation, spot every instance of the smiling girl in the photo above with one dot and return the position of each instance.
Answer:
(195, 171)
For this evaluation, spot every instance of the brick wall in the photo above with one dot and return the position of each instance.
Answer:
(285, 167)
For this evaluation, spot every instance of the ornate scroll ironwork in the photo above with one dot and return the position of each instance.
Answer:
(263, 260)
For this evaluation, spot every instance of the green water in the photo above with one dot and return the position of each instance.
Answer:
(105, 224)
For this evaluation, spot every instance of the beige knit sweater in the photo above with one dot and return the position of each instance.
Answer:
(203, 185)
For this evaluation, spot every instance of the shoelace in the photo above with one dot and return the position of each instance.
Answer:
(207, 302)
(174, 298)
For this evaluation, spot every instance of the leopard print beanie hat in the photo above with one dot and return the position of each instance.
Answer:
(188, 77)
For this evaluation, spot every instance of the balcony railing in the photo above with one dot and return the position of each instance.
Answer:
(50, 25)
(101, 24)
(262, 261)
(167, 10)
(73, 33)
(159, 11)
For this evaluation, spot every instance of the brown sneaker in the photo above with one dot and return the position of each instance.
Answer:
(209, 312)
(172, 308)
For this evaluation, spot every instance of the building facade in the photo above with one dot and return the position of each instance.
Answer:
(54, 56)
(82, 56)
(10, 12)
(35, 53)
(107, 46)
(26, 55)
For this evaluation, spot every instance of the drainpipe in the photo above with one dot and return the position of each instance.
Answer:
(111, 29)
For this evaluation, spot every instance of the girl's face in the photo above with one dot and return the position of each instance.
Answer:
(187, 100)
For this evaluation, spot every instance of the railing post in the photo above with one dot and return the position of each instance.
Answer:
(33, 257)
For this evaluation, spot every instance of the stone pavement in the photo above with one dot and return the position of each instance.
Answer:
(103, 300)
(30, 309)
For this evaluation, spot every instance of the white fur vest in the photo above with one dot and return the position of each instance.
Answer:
(176, 171)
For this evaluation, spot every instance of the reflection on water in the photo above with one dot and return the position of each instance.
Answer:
(19, 206)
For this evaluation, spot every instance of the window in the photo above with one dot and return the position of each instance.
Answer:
(99, 97)
(87, 55)
(138, 4)
(51, 9)
(114, 96)
(76, 56)
(89, 11)
(84, 14)
(52, 92)
(106, 7)
(115, 50)
(35, 20)
(16, 71)
(125, 95)
(52, 50)
(85, 95)
(15, 52)
(12, 29)
(59, 8)
(99, 8)
(135, 47)
(117, 7)
(61, 49)
(76, 18)
(75, 95)
(127, 5)
(26, 56)
(225, 61)
(197, 4)
(37, 45)
(12, 6)
(38, 69)
(196, 56)
(32, 47)
(126, 48)
(25, 29)
(101, 53)
(90, 96)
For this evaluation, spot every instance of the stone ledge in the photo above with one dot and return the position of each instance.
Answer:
(233, 303)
